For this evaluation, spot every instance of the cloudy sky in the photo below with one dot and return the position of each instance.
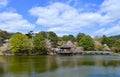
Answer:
(93, 17)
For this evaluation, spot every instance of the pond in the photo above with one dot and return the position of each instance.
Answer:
(60, 66)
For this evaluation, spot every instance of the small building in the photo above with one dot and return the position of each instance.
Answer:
(65, 50)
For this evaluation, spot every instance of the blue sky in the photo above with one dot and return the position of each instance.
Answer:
(93, 17)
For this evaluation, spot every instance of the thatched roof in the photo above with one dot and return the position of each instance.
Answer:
(69, 44)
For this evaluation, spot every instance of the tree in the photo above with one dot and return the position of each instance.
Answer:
(68, 38)
(53, 38)
(50, 36)
(116, 46)
(20, 43)
(39, 44)
(87, 43)
(105, 40)
(79, 36)
(71, 37)
(30, 34)
(110, 41)
(45, 34)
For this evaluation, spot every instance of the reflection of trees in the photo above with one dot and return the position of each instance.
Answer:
(28, 65)
(101, 63)
(45, 63)
(51, 63)
(72, 62)
(3, 66)
(31, 65)
(20, 65)
(1, 71)
(113, 63)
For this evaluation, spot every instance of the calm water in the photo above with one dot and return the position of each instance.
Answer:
(60, 66)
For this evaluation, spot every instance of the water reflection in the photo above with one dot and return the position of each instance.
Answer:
(52, 66)
(88, 61)
(105, 75)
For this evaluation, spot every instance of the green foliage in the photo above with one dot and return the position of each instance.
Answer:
(116, 37)
(117, 43)
(39, 43)
(116, 46)
(45, 34)
(3, 36)
(105, 40)
(26, 43)
(87, 43)
(50, 36)
(110, 41)
(79, 36)
(20, 43)
(30, 34)
(68, 38)
(53, 38)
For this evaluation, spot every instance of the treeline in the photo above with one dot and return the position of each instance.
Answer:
(32, 43)
(35, 43)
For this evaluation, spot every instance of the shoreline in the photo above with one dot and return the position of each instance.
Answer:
(66, 54)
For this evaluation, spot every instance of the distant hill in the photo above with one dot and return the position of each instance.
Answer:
(116, 36)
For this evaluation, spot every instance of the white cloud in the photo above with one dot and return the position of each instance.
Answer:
(111, 8)
(60, 17)
(69, 1)
(113, 30)
(3, 3)
(99, 31)
(14, 22)
(111, 18)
